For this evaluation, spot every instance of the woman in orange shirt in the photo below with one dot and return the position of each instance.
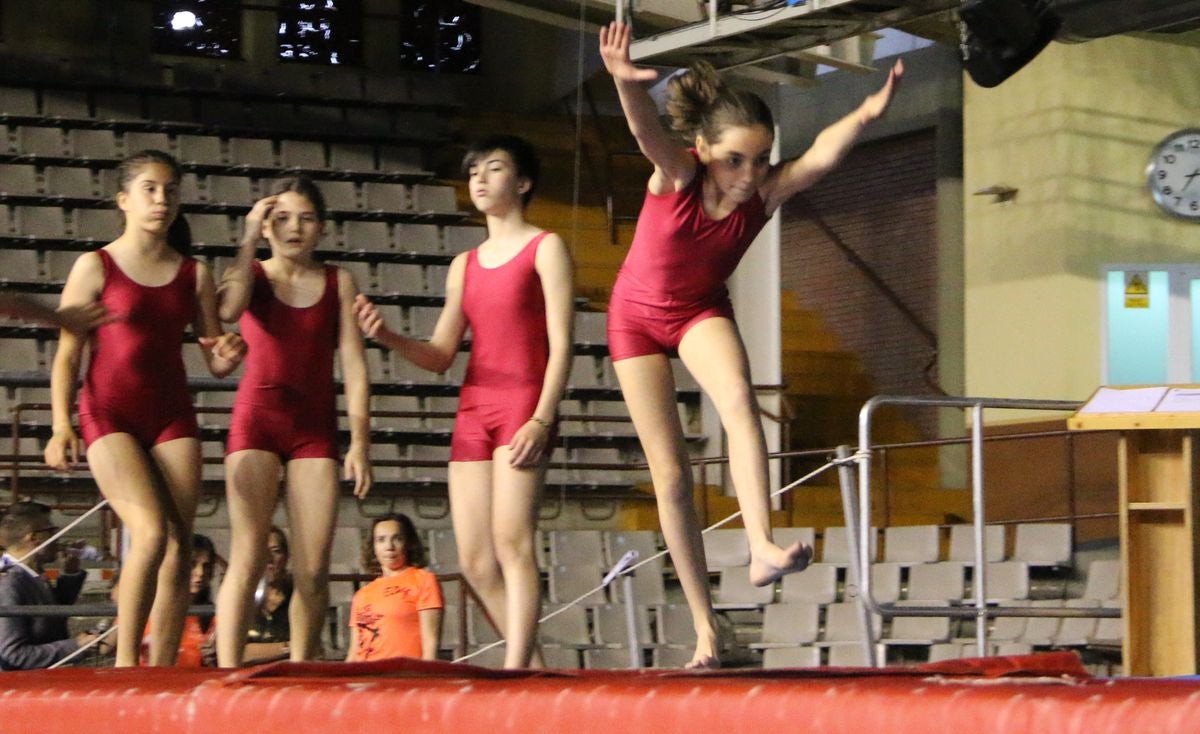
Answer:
(398, 614)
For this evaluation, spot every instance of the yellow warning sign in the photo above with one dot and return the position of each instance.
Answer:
(1137, 289)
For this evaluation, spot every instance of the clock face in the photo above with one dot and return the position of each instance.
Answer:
(1174, 174)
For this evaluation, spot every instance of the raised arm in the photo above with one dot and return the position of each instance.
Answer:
(557, 273)
(437, 354)
(673, 165)
(82, 289)
(223, 352)
(357, 386)
(830, 146)
(237, 281)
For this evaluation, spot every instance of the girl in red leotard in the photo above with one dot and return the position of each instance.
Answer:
(134, 410)
(514, 292)
(295, 313)
(703, 208)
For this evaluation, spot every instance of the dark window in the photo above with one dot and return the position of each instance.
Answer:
(198, 28)
(321, 31)
(440, 35)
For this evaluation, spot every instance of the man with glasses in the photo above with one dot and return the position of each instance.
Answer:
(31, 642)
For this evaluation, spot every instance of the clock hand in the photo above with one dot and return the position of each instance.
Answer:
(1189, 178)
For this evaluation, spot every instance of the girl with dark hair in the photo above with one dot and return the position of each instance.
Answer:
(704, 205)
(514, 292)
(135, 411)
(295, 314)
(398, 614)
(196, 643)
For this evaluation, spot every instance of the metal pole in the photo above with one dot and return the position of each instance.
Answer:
(635, 650)
(977, 505)
(858, 554)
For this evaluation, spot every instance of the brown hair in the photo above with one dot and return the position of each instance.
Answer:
(414, 550)
(179, 234)
(304, 186)
(700, 103)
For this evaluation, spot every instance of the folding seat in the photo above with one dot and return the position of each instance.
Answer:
(385, 197)
(395, 404)
(568, 583)
(789, 625)
(41, 141)
(1043, 544)
(1109, 630)
(93, 143)
(348, 157)
(41, 222)
(941, 651)
(606, 658)
(817, 584)
(726, 549)
(836, 549)
(235, 190)
(612, 628)
(102, 225)
(19, 264)
(436, 199)
(1007, 580)
(936, 582)
(204, 149)
(792, 657)
(566, 629)
(63, 103)
(301, 154)
(118, 106)
(393, 159)
(460, 238)
(885, 583)
(400, 278)
(734, 591)
(348, 545)
(423, 238)
(18, 101)
(843, 623)
(74, 183)
(253, 152)
(847, 655)
(1076, 631)
(962, 543)
(339, 195)
(584, 371)
(361, 272)
(435, 279)
(576, 547)
(786, 537)
(560, 658)
(590, 326)
(138, 141)
(18, 180)
(919, 630)
(911, 544)
(211, 229)
(190, 191)
(443, 551)
(1041, 631)
(370, 236)
(648, 584)
(1103, 580)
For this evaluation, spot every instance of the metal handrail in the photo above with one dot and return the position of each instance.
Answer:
(859, 517)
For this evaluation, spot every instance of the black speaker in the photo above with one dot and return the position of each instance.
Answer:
(1004, 35)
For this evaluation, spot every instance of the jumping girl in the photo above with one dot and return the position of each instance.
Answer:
(135, 411)
(702, 209)
(514, 291)
(294, 313)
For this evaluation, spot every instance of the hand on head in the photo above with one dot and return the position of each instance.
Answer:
(370, 321)
(258, 213)
(614, 50)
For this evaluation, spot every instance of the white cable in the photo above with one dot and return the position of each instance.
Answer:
(62, 532)
(625, 558)
(99, 638)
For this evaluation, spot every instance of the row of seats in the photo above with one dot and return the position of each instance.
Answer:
(1037, 544)
(56, 142)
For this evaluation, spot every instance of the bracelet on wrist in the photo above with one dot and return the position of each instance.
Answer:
(540, 422)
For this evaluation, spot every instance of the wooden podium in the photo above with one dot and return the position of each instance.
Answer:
(1159, 461)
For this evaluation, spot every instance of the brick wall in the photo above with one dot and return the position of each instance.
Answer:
(881, 201)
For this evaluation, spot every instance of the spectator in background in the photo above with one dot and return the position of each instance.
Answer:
(29, 643)
(398, 614)
(196, 645)
(270, 632)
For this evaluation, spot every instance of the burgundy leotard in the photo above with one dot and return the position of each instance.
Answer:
(506, 312)
(286, 401)
(674, 275)
(136, 382)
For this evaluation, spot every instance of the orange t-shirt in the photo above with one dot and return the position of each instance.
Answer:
(191, 644)
(384, 613)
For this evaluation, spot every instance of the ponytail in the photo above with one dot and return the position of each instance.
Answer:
(179, 236)
(699, 102)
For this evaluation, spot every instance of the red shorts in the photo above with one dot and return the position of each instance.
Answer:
(637, 329)
(287, 432)
(148, 425)
(489, 417)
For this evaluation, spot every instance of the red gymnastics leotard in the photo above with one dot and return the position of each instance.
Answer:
(506, 311)
(136, 382)
(286, 402)
(674, 275)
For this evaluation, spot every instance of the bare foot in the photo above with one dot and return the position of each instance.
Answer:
(770, 565)
(705, 657)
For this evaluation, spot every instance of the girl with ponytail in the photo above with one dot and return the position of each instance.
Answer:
(135, 412)
(703, 207)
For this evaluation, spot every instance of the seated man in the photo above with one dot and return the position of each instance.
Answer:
(28, 643)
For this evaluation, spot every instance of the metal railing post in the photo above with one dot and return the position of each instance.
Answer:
(859, 550)
(977, 507)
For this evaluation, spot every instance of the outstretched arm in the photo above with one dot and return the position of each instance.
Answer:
(437, 354)
(673, 166)
(76, 319)
(830, 146)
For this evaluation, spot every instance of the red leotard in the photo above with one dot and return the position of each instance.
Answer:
(286, 402)
(674, 275)
(506, 311)
(136, 382)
